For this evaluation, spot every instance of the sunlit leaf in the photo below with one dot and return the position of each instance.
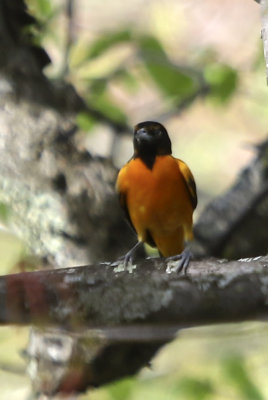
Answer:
(121, 390)
(4, 212)
(14, 382)
(237, 374)
(171, 79)
(99, 98)
(106, 41)
(222, 79)
(109, 64)
(12, 250)
(78, 53)
(85, 121)
(195, 389)
(43, 9)
(107, 107)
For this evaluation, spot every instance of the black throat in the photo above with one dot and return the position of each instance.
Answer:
(148, 158)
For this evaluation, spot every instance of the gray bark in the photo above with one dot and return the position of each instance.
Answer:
(106, 322)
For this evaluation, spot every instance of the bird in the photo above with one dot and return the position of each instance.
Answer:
(158, 195)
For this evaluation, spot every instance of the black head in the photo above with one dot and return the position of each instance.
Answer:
(150, 140)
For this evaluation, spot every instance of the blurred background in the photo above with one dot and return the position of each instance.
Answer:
(198, 68)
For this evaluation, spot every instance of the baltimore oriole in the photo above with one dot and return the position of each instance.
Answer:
(158, 194)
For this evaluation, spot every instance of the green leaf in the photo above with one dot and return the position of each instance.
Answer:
(171, 79)
(103, 49)
(223, 81)
(106, 41)
(236, 372)
(195, 389)
(85, 121)
(4, 212)
(106, 105)
(98, 87)
(128, 79)
(122, 389)
(12, 251)
(99, 98)
(151, 48)
(43, 9)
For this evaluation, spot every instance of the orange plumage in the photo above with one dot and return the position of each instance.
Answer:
(157, 191)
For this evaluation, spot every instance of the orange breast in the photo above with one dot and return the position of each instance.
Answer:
(158, 202)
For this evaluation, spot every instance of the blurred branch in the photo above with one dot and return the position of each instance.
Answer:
(70, 35)
(225, 228)
(264, 30)
(13, 369)
(202, 91)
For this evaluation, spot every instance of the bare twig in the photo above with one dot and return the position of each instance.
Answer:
(264, 31)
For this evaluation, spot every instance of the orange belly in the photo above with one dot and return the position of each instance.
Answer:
(158, 202)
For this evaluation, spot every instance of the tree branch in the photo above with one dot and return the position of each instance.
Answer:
(103, 322)
(104, 295)
(224, 228)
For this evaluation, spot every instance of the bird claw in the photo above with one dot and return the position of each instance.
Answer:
(129, 257)
(184, 260)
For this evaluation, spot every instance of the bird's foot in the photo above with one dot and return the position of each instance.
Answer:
(183, 261)
(129, 257)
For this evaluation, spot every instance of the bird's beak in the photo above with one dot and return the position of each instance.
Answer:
(142, 135)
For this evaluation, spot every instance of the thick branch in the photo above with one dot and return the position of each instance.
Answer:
(116, 320)
(102, 295)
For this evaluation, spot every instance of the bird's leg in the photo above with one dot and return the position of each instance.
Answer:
(184, 259)
(129, 256)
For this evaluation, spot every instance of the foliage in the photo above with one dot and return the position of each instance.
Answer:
(236, 373)
(223, 81)
(235, 381)
(172, 80)
(175, 83)
(42, 9)
(4, 212)
(94, 66)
